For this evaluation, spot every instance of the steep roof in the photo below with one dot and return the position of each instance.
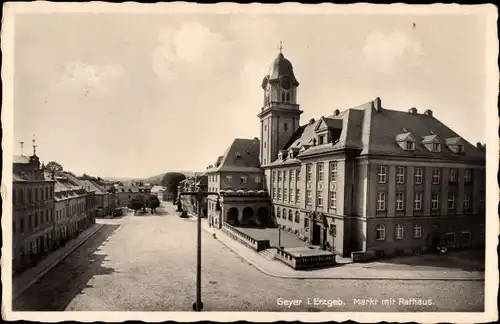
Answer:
(387, 124)
(241, 155)
(91, 186)
(374, 130)
(346, 125)
(21, 159)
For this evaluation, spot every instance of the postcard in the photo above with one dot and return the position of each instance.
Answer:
(260, 162)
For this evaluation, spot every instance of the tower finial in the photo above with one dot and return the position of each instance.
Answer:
(22, 145)
(34, 145)
(281, 46)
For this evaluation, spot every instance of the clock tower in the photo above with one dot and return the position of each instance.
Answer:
(280, 113)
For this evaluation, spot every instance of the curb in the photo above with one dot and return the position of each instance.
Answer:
(299, 277)
(42, 273)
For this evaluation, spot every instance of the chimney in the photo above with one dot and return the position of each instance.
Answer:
(336, 112)
(314, 141)
(377, 104)
(311, 121)
(428, 112)
(412, 111)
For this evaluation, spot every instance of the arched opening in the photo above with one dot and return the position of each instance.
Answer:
(232, 216)
(263, 216)
(247, 216)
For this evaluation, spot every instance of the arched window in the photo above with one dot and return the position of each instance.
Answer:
(297, 217)
(400, 230)
(278, 212)
(288, 97)
(290, 215)
(284, 213)
(380, 232)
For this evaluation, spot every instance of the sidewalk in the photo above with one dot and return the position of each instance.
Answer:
(350, 271)
(23, 281)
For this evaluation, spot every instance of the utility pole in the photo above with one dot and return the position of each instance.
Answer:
(200, 195)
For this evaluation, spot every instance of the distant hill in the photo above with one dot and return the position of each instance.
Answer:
(156, 179)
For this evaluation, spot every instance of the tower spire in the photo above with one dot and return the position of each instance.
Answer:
(281, 46)
(22, 145)
(34, 145)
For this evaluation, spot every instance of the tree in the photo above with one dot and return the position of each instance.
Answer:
(135, 204)
(153, 203)
(53, 166)
(171, 180)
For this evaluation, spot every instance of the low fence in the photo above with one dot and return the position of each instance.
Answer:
(305, 262)
(235, 234)
(362, 256)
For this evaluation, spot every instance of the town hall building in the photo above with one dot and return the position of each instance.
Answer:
(366, 179)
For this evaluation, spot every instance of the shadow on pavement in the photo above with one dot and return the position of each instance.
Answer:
(55, 290)
(470, 260)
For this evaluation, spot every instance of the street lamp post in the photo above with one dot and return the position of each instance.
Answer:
(198, 304)
(279, 236)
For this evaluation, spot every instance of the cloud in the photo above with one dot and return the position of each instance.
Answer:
(192, 47)
(386, 51)
(79, 75)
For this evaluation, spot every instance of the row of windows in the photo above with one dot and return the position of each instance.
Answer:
(288, 175)
(418, 175)
(28, 195)
(399, 232)
(243, 179)
(282, 194)
(294, 175)
(332, 199)
(418, 198)
(291, 216)
(69, 211)
(333, 167)
(32, 222)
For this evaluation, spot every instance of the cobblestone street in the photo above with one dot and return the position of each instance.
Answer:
(147, 263)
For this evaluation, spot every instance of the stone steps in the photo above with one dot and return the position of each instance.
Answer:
(269, 254)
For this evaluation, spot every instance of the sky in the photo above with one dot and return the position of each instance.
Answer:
(135, 95)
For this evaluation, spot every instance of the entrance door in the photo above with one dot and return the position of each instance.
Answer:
(435, 241)
(316, 234)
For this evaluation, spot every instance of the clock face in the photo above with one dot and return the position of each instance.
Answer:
(285, 83)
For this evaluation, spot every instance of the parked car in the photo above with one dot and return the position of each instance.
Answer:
(117, 212)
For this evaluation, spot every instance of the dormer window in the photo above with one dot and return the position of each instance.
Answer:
(436, 147)
(406, 140)
(280, 156)
(320, 139)
(290, 154)
(432, 143)
(410, 145)
(455, 144)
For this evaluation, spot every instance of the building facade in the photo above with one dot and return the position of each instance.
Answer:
(70, 207)
(366, 179)
(32, 213)
(238, 177)
(369, 179)
(124, 194)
